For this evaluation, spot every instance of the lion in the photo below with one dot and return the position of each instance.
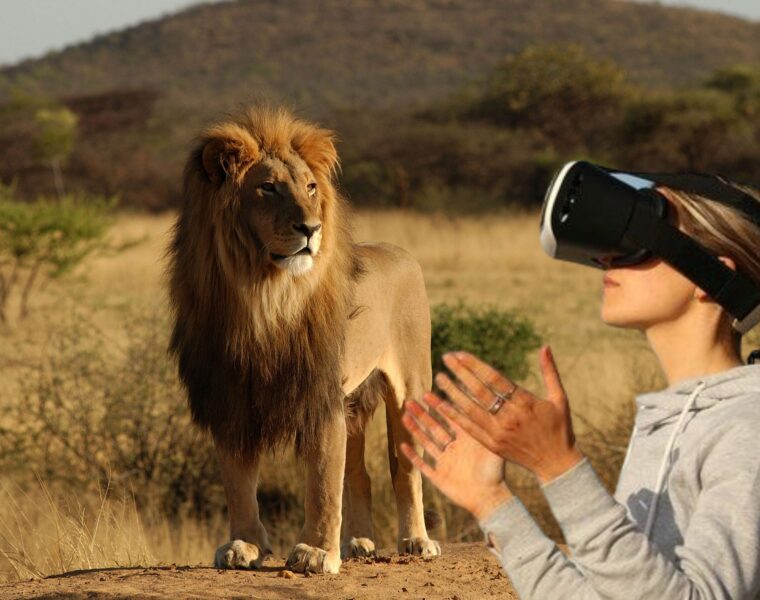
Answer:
(286, 330)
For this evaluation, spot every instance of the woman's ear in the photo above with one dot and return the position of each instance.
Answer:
(228, 151)
(699, 293)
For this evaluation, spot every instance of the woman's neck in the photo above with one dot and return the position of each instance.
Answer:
(686, 351)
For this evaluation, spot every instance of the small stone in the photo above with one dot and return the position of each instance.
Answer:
(286, 574)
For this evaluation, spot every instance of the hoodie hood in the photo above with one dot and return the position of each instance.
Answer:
(659, 408)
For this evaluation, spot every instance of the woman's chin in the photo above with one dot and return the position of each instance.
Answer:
(614, 318)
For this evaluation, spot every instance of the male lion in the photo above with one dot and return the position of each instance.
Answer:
(285, 329)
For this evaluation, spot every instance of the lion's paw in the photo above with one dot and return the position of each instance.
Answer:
(419, 547)
(308, 559)
(238, 554)
(358, 548)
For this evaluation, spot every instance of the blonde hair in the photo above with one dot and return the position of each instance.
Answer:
(722, 229)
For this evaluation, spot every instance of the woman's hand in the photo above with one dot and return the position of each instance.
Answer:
(532, 432)
(468, 473)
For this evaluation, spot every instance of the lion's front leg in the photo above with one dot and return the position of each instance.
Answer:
(318, 550)
(249, 544)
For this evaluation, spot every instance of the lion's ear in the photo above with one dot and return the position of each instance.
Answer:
(228, 151)
(317, 147)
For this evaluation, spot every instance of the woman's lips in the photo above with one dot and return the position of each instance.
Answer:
(610, 282)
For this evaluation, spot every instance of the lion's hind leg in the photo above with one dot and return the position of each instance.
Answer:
(357, 539)
(407, 482)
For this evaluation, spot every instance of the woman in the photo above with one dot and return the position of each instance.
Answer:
(685, 519)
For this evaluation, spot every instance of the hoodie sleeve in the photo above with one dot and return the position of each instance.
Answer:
(719, 558)
(536, 567)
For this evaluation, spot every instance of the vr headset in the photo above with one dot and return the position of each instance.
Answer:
(605, 218)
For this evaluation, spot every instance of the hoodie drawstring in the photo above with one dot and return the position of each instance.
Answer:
(667, 458)
(630, 447)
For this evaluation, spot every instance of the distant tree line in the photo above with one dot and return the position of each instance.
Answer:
(493, 144)
(498, 142)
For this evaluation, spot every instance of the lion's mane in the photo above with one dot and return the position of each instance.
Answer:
(258, 349)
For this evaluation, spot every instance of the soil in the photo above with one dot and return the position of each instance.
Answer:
(463, 572)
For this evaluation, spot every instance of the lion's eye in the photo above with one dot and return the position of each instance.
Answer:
(312, 188)
(267, 187)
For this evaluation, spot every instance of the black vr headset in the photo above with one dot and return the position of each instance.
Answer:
(606, 218)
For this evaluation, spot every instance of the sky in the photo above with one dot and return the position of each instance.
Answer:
(31, 28)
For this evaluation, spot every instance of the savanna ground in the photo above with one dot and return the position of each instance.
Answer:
(100, 338)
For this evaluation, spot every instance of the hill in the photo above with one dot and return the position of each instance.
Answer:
(378, 53)
(141, 94)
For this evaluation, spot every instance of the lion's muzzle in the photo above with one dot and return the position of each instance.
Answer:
(305, 247)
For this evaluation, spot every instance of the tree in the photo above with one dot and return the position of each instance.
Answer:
(558, 90)
(46, 239)
(55, 139)
(742, 82)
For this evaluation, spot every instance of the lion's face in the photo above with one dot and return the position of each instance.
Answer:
(280, 206)
(279, 172)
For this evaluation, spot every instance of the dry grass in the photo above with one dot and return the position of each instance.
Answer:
(489, 259)
(43, 533)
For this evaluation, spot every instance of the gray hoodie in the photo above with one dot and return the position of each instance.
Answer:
(692, 472)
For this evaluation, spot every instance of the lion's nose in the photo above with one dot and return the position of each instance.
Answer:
(307, 230)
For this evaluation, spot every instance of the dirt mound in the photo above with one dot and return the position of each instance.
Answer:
(464, 571)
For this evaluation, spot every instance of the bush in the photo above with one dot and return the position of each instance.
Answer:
(95, 414)
(686, 130)
(501, 338)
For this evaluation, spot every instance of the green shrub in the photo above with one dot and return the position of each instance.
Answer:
(501, 338)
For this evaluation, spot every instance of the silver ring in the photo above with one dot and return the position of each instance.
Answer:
(500, 400)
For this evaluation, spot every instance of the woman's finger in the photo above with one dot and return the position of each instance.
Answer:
(554, 389)
(483, 371)
(464, 425)
(434, 429)
(435, 402)
(420, 464)
(421, 435)
(481, 390)
(490, 378)
(465, 404)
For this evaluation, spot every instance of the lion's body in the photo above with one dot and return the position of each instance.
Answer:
(285, 328)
